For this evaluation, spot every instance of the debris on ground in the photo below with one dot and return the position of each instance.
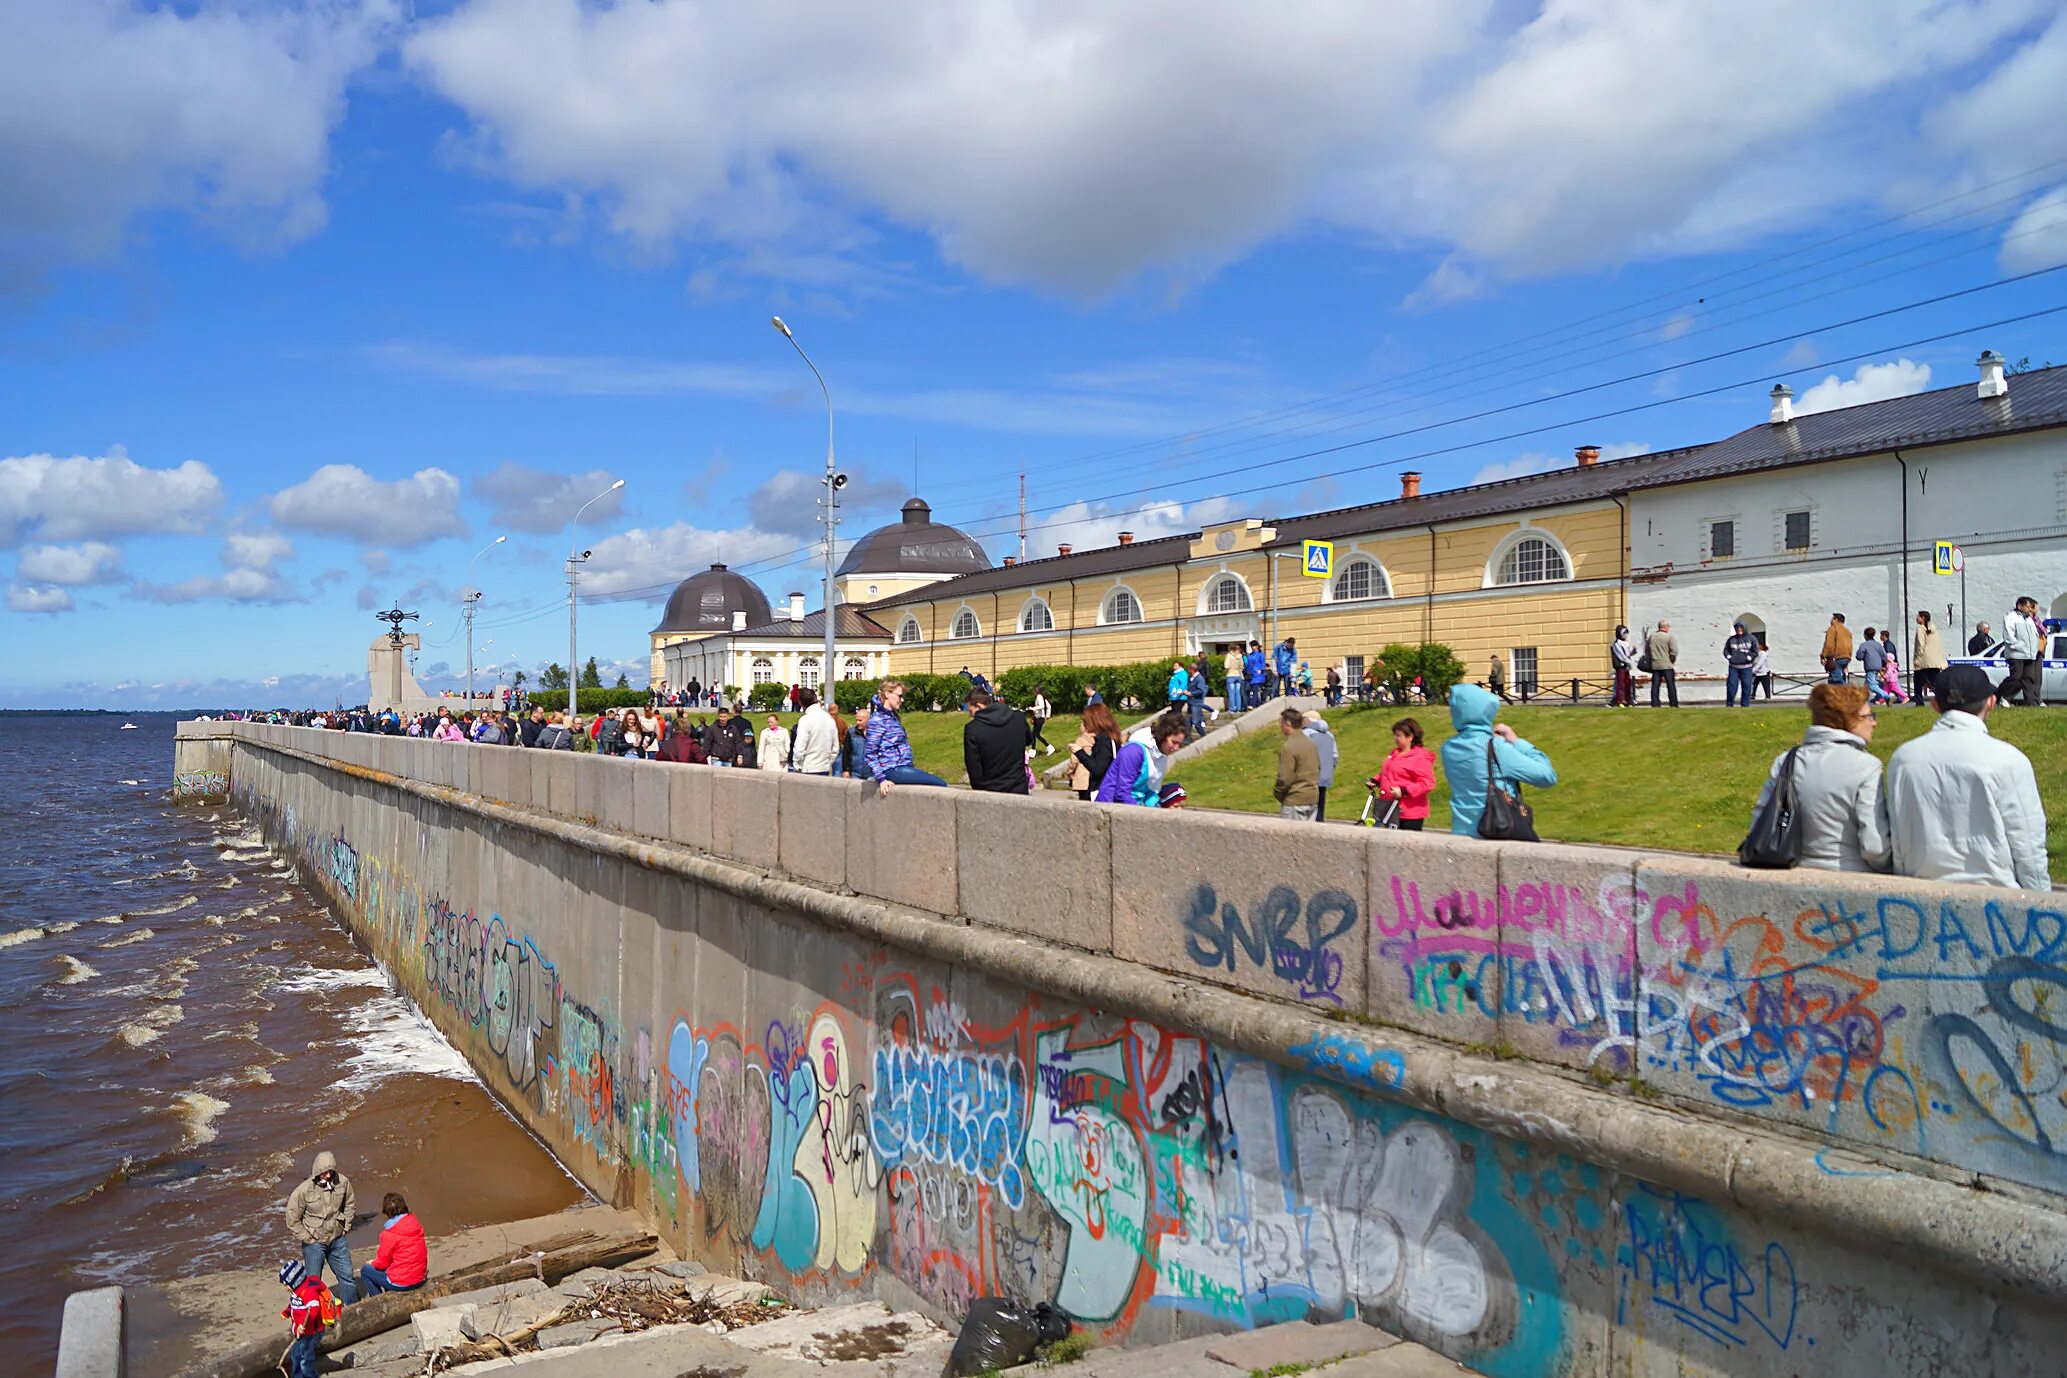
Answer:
(616, 1303)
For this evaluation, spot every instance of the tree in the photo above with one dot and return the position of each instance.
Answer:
(553, 676)
(517, 680)
(622, 682)
(1435, 664)
(591, 677)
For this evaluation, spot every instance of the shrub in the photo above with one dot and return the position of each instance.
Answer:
(592, 700)
(1437, 666)
(767, 698)
(851, 694)
(1145, 684)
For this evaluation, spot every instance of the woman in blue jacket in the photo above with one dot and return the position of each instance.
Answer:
(1472, 710)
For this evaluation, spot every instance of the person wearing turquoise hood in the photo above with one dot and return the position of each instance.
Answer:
(1464, 757)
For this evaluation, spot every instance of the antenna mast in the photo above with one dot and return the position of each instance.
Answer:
(1022, 516)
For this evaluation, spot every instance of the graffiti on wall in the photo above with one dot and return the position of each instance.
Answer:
(200, 784)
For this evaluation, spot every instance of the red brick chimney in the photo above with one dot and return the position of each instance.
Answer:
(1011, 560)
(1589, 455)
(1410, 484)
(1126, 538)
(1063, 549)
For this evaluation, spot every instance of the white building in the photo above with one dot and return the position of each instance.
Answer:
(1802, 516)
(785, 650)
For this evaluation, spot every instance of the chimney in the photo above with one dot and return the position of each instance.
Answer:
(1993, 383)
(1410, 484)
(1783, 404)
(1064, 549)
(1588, 455)
(738, 621)
(1126, 538)
(796, 607)
(1011, 560)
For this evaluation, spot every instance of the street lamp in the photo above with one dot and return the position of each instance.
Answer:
(834, 482)
(469, 597)
(573, 564)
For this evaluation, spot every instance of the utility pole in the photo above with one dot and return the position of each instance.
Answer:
(469, 598)
(573, 561)
(1022, 516)
(834, 482)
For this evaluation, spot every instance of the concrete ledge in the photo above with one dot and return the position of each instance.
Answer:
(746, 811)
(1436, 965)
(90, 1345)
(1034, 865)
(650, 797)
(812, 825)
(1568, 927)
(902, 846)
(689, 805)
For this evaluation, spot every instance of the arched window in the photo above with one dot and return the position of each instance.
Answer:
(1360, 577)
(909, 632)
(965, 626)
(764, 670)
(807, 672)
(1532, 560)
(1754, 625)
(1121, 606)
(1226, 594)
(853, 667)
(1036, 617)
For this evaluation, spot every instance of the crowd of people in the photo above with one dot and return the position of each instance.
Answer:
(320, 1212)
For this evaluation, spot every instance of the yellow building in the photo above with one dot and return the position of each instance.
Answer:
(1532, 570)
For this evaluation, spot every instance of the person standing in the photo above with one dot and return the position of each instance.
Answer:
(1334, 699)
(1324, 742)
(1740, 657)
(1873, 659)
(887, 749)
(1663, 649)
(319, 1211)
(1284, 659)
(2022, 638)
(1257, 671)
(1981, 640)
(1408, 776)
(401, 1261)
(1496, 679)
(1926, 659)
(1094, 748)
(1231, 663)
(1839, 796)
(307, 1297)
(995, 743)
(1195, 698)
(1622, 654)
(1042, 710)
(774, 746)
(816, 744)
(1472, 711)
(855, 748)
(1837, 649)
(1299, 769)
(1180, 686)
(1963, 805)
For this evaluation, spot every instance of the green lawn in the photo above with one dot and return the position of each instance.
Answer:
(1679, 780)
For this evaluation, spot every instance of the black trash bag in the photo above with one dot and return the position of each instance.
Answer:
(1000, 1333)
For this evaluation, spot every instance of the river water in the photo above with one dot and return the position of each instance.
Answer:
(185, 1026)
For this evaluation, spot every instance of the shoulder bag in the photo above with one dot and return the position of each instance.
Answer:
(1505, 818)
(1775, 841)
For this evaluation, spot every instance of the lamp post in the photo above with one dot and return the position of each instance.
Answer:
(574, 564)
(469, 597)
(834, 482)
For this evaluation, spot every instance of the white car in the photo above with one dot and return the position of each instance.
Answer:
(2053, 670)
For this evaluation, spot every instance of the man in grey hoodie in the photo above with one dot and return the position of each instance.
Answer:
(1323, 738)
(319, 1211)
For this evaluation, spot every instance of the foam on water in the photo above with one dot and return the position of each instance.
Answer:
(391, 1038)
(17, 936)
(75, 971)
(142, 935)
(197, 1110)
(150, 1026)
(310, 978)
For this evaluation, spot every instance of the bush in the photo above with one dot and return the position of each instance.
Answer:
(1144, 683)
(767, 698)
(1438, 667)
(592, 700)
(851, 694)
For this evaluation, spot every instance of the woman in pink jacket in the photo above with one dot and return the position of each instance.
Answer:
(1408, 775)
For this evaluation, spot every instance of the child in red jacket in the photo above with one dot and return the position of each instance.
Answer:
(305, 1317)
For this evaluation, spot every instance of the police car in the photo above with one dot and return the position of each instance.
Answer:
(2052, 672)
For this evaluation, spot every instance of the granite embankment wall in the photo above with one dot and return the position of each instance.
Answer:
(1551, 1110)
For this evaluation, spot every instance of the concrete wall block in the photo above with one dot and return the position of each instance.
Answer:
(1263, 905)
(1567, 950)
(901, 846)
(1037, 866)
(1900, 1014)
(745, 813)
(1435, 934)
(616, 802)
(813, 844)
(650, 797)
(563, 783)
(492, 772)
(458, 765)
(689, 805)
(540, 764)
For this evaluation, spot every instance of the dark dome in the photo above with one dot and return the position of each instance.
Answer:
(915, 545)
(704, 603)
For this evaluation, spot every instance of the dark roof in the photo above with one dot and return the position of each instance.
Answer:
(852, 623)
(915, 544)
(705, 602)
(2037, 400)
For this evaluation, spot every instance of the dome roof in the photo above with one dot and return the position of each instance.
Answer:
(704, 603)
(915, 545)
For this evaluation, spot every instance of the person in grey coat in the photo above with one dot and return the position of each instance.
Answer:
(1839, 794)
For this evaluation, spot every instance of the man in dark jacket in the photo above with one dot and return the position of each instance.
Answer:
(532, 726)
(724, 741)
(994, 744)
(1740, 653)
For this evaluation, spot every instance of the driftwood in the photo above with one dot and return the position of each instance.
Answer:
(550, 1261)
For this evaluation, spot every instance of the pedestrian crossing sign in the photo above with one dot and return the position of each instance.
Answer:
(1947, 558)
(1319, 559)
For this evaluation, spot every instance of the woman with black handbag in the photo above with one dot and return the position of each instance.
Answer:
(1824, 804)
(1487, 764)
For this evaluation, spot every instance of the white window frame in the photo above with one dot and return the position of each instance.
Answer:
(1026, 610)
(763, 670)
(1381, 580)
(910, 624)
(1205, 600)
(853, 667)
(954, 626)
(1105, 612)
(1513, 541)
(807, 671)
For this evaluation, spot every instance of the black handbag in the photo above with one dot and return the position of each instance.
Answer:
(1506, 817)
(1775, 841)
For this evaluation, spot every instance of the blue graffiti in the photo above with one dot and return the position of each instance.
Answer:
(788, 1220)
(1679, 1258)
(1354, 1061)
(957, 1109)
(687, 1052)
(1293, 941)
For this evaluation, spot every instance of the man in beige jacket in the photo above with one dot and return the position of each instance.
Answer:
(319, 1211)
(1298, 788)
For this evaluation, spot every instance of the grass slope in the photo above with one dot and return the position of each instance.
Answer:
(1681, 780)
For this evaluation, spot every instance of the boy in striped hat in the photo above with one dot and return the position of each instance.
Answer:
(305, 1318)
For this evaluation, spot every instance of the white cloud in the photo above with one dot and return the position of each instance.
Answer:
(1535, 462)
(38, 598)
(647, 563)
(91, 562)
(1869, 383)
(522, 498)
(1088, 526)
(255, 549)
(787, 502)
(249, 558)
(1078, 145)
(1801, 355)
(78, 498)
(112, 108)
(345, 500)
(1675, 328)
(2038, 236)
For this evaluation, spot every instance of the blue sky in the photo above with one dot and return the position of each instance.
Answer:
(302, 304)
